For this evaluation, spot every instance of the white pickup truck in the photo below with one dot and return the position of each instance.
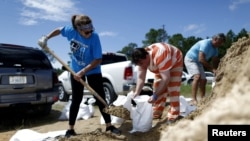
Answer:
(118, 76)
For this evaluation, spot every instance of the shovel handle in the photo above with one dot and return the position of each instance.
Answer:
(73, 73)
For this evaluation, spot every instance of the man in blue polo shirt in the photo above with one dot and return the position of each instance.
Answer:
(197, 58)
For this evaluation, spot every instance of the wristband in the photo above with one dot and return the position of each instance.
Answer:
(154, 96)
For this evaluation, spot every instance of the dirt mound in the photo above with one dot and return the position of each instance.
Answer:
(229, 101)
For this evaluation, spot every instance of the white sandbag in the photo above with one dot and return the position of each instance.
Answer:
(30, 135)
(121, 99)
(114, 120)
(65, 112)
(127, 103)
(85, 111)
(185, 107)
(141, 114)
(91, 110)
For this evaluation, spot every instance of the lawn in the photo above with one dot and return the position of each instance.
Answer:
(186, 90)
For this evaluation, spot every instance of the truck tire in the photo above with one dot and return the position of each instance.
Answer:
(63, 96)
(110, 95)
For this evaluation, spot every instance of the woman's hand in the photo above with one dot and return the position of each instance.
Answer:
(79, 74)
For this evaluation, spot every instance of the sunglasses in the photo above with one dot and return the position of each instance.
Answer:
(88, 32)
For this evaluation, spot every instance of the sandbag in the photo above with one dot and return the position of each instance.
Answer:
(141, 113)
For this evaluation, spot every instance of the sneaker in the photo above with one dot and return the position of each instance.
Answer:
(70, 132)
(114, 130)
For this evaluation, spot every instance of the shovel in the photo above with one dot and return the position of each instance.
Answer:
(73, 73)
(116, 111)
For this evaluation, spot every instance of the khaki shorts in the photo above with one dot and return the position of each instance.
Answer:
(194, 68)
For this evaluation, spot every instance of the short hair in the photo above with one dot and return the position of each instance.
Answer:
(220, 36)
(138, 54)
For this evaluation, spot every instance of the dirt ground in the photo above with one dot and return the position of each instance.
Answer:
(228, 103)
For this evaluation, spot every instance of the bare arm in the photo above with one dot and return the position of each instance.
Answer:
(165, 77)
(140, 80)
(203, 61)
(83, 71)
(163, 84)
(54, 33)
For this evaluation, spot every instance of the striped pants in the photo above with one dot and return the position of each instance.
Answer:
(171, 91)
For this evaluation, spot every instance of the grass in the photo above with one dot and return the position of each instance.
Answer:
(186, 90)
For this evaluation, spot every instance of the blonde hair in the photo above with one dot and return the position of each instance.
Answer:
(78, 20)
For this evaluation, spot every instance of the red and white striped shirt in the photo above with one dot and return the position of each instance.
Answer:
(163, 57)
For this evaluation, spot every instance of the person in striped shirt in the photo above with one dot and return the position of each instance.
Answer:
(166, 62)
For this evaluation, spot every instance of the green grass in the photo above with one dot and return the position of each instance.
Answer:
(186, 90)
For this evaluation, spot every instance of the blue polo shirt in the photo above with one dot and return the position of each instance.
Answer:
(204, 46)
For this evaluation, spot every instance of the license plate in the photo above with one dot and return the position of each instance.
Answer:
(17, 79)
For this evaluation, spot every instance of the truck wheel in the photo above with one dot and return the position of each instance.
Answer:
(110, 94)
(62, 95)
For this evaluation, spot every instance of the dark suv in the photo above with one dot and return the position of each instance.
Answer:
(27, 79)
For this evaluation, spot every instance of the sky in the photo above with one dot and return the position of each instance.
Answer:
(119, 22)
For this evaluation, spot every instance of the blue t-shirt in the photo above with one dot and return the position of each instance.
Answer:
(204, 46)
(84, 50)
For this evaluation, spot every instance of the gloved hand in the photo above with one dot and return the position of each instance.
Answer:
(153, 98)
(42, 42)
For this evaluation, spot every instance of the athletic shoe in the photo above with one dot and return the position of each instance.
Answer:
(114, 130)
(70, 132)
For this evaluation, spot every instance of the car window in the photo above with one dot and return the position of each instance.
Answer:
(13, 57)
(209, 75)
(112, 58)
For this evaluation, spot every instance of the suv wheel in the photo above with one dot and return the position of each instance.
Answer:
(110, 94)
(63, 96)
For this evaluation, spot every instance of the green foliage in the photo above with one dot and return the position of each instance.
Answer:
(128, 49)
(183, 43)
(154, 36)
(186, 90)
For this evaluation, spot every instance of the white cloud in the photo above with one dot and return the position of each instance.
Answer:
(194, 28)
(107, 33)
(53, 10)
(234, 5)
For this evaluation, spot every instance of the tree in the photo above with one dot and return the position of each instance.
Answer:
(189, 42)
(154, 36)
(177, 40)
(127, 49)
(243, 33)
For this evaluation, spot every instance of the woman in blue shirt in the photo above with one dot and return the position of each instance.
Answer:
(86, 57)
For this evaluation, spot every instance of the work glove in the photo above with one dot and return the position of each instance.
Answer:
(42, 42)
(153, 98)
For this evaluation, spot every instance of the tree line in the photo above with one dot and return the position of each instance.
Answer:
(183, 43)
(178, 40)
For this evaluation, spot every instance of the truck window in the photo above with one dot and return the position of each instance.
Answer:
(112, 58)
